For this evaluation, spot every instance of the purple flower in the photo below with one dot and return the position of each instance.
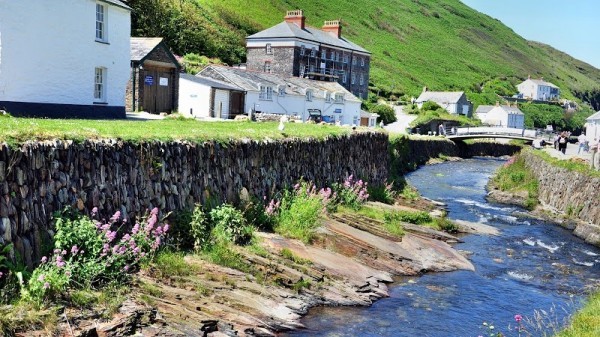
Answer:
(110, 235)
(46, 285)
(41, 278)
(126, 268)
(94, 211)
(166, 228)
(135, 229)
(116, 216)
(151, 222)
(74, 250)
(1, 274)
(64, 252)
(518, 318)
(154, 211)
(44, 259)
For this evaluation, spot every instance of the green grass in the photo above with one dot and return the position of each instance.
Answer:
(568, 164)
(171, 264)
(18, 130)
(515, 177)
(586, 321)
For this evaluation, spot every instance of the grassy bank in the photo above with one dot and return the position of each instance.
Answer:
(586, 321)
(18, 130)
(514, 177)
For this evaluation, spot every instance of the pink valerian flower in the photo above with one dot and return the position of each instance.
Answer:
(151, 222)
(41, 277)
(94, 211)
(518, 318)
(296, 187)
(74, 250)
(165, 228)
(46, 285)
(272, 207)
(59, 261)
(154, 211)
(1, 274)
(126, 268)
(135, 229)
(111, 235)
(348, 182)
(44, 259)
(116, 216)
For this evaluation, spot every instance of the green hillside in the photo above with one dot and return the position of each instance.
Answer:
(441, 44)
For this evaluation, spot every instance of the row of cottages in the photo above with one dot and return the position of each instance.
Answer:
(453, 102)
(223, 92)
(42, 73)
(498, 115)
(538, 89)
(292, 48)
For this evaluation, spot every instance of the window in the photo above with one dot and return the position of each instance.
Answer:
(309, 95)
(281, 91)
(313, 52)
(344, 77)
(323, 54)
(346, 59)
(353, 78)
(353, 60)
(302, 50)
(100, 23)
(339, 98)
(100, 85)
(337, 56)
(332, 56)
(311, 68)
(266, 93)
(362, 61)
(327, 97)
(269, 49)
(267, 67)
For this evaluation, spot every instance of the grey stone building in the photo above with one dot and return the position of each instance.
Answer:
(292, 48)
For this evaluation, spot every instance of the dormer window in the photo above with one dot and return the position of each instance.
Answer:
(101, 23)
(339, 98)
(269, 49)
(327, 96)
(309, 95)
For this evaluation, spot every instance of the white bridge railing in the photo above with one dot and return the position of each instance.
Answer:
(468, 131)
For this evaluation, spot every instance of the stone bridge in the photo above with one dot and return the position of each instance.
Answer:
(492, 132)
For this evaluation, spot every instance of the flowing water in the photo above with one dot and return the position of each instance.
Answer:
(532, 267)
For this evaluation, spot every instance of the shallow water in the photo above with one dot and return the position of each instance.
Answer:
(531, 267)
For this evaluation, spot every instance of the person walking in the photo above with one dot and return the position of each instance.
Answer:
(595, 157)
(582, 143)
(562, 143)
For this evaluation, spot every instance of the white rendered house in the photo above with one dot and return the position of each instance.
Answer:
(503, 116)
(302, 98)
(64, 58)
(592, 130)
(455, 102)
(538, 90)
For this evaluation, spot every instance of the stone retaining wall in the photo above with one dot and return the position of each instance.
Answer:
(43, 177)
(569, 192)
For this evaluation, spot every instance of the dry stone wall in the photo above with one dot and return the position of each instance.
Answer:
(569, 192)
(40, 178)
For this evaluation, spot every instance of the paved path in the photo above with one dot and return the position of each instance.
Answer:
(571, 152)
(402, 123)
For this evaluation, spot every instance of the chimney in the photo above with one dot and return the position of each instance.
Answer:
(424, 89)
(296, 17)
(497, 103)
(333, 27)
(529, 76)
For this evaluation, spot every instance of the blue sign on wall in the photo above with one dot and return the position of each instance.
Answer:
(149, 80)
(338, 111)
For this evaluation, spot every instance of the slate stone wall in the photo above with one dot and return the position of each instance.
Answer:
(40, 178)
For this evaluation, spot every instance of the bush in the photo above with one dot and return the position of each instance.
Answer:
(90, 254)
(430, 106)
(229, 225)
(386, 113)
(258, 215)
(352, 193)
(385, 193)
(417, 218)
(199, 228)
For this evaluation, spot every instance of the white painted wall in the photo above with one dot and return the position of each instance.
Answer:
(48, 51)
(194, 98)
(221, 103)
(500, 117)
(297, 105)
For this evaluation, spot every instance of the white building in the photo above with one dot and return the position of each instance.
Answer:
(203, 97)
(293, 96)
(455, 102)
(538, 90)
(592, 130)
(502, 115)
(65, 58)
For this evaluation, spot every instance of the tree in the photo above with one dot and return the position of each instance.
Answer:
(386, 113)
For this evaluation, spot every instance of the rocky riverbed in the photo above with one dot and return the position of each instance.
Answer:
(350, 264)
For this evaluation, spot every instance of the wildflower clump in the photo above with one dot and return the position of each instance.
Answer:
(89, 253)
(352, 193)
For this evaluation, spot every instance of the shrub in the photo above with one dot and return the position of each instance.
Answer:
(229, 225)
(352, 193)
(258, 215)
(90, 254)
(199, 228)
(386, 113)
(417, 218)
(385, 193)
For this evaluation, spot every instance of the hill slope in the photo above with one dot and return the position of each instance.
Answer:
(442, 44)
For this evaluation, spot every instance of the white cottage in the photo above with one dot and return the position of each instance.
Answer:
(293, 96)
(203, 97)
(455, 102)
(502, 116)
(592, 130)
(64, 58)
(538, 90)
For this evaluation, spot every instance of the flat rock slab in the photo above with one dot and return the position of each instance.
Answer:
(430, 233)
(434, 255)
(476, 228)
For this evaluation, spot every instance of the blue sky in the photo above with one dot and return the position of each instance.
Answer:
(571, 26)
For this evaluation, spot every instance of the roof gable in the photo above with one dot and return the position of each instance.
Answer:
(142, 47)
(441, 97)
(595, 116)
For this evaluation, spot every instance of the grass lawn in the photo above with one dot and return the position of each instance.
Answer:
(18, 130)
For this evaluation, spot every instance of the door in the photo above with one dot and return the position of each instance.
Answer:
(158, 90)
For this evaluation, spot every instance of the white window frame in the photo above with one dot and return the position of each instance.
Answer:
(101, 20)
(302, 50)
(353, 60)
(344, 77)
(353, 78)
(267, 67)
(362, 79)
(281, 91)
(313, 52)
(309, 95)
(346, 59)
(100, 85)
(327, 96)
(266, 93)
(269, 49)
(339, 98)
(323, 54)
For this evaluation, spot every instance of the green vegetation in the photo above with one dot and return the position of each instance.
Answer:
(19, 130)
(431, 112)
(386, 113)
(541, 115)
(515, 177)
(586, 322)
(570, 165)
(288, 254)
(414, 43)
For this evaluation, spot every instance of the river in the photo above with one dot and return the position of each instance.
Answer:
(534, 269)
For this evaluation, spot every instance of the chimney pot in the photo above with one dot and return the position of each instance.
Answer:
(333, 27)
(497, 103)
(296, 17)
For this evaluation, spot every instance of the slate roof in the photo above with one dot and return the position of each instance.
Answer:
(142, 46)
(117, 3)
(208, 81)
(482, 109)
(544, 83)
(252, 80)
(440, 97)
(286, 30)
(511, 110)
(595, 116)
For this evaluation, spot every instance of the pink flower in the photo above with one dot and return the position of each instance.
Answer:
(74, 250)
(44, 259)
(41, 278)
(518, 318)
(110, 236)
(135, 229)
(154, 211)
(166, 228)
(1, 274)
(46, 285)
(94, 211)
(126, 268)
(116, 216)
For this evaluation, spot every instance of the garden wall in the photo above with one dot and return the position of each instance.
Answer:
(571, 192)
(40, 178)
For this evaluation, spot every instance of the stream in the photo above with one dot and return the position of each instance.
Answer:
(535, 269)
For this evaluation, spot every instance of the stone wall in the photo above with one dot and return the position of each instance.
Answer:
(569, 192)
(42, 177)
